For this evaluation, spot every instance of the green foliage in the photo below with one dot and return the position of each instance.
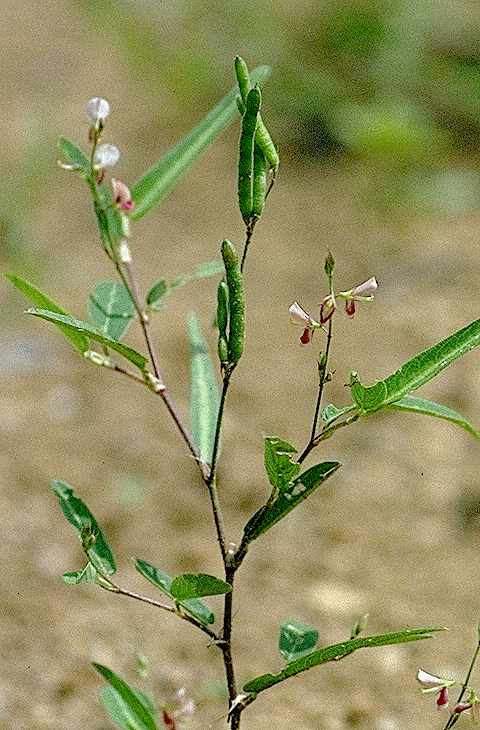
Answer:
(119, 711)
(296, 640)
(40, 299)
(204, 398)
(78, 514)
(279, 464)
(134, 711)
(88, 574)
(74, 155)
(416, 372)
(162, 581)
(84, 328)
(196, 585)
(335, 652)
(111, 309)
(281, 503)
(156, 295)
(411, 404)
(160, 180)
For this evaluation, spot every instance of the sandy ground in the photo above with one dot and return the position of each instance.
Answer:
(395, 532)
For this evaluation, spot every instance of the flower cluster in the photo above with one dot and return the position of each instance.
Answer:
(182, 707)
(364, 292)
(431, 684)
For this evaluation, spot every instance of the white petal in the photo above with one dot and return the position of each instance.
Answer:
(98, 109)
(298, 315)
(106, 155)
(429, 680)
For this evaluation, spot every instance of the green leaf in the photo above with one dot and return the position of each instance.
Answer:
(119, 711)
(78, 514)
(110, 308)
(196, 585)
(331, 413)
(280, 468)
(204, 395)
(135, 711)
(282, 503)
(37, 297)
(84, 328)
(416, 372)
(163, 582)
(156, 294)
(160, 180)
(161, 289)
(74, 155)
(429, 408)
(336, 652)
(87, 575)
(296, 639)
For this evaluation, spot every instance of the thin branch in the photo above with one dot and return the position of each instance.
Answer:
(249, 233)
(227, 647)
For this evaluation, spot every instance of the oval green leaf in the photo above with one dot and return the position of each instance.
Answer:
(74, 155)
(411, 404)
(160, 180)
(280, 504)
(78, 514)
(162, 581)
(139, 714)
(42, 300)
(110, 308)
(279, 464)
(335, 652)
(416, 372)
(118, 710)
(196, 585)
(296, 639)
(204, 395)
(84, 328)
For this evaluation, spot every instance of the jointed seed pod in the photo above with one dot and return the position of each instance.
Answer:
(222, 309)
(259, 181)
(236, 299)
(245, 162)
(262, 135)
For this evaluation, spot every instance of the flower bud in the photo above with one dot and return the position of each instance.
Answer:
(106, 155)
(122, 195)
(98, 109)
(442, 699)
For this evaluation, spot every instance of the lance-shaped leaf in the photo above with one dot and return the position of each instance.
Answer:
(87, 575)
(279, 464)
(84, 328)
(204, 395)
(163, 582)
(296, 639)
(74, 155)
(411, 404)
(119, 711)
(282, 503)
(196, 585)
(110, 308)
(78, 514)
(139, 715)
(40, 299)
(416, 372)
(160, 180)
(336, 652)
(161, 288)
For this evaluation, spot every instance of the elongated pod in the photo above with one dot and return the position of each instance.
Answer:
(222, 308)
(259, 182)
(236, 299)
(245, 161)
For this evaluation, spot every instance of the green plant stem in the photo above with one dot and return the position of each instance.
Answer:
(249, 233)
(453, 719)
(322, 374)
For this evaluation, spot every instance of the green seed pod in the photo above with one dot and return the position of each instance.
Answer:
(236, 298)
(264, 141)
(243, 77)
(222, 309)
(259, 181)
(223, 351)
(245, 162)
(240, 105)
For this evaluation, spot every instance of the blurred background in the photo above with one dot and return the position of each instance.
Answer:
(375, 107)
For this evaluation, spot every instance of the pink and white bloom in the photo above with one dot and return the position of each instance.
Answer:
(300, 317)
(106, 155)
(431, 684)
(364, 292)
(122, 196)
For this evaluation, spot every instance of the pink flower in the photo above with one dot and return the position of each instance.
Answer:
(364, 292)
(303, 319)
(122, 195)
(431, 684)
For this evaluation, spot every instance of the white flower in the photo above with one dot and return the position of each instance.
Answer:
(106, 155)
(98, 109)
(300, 317)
